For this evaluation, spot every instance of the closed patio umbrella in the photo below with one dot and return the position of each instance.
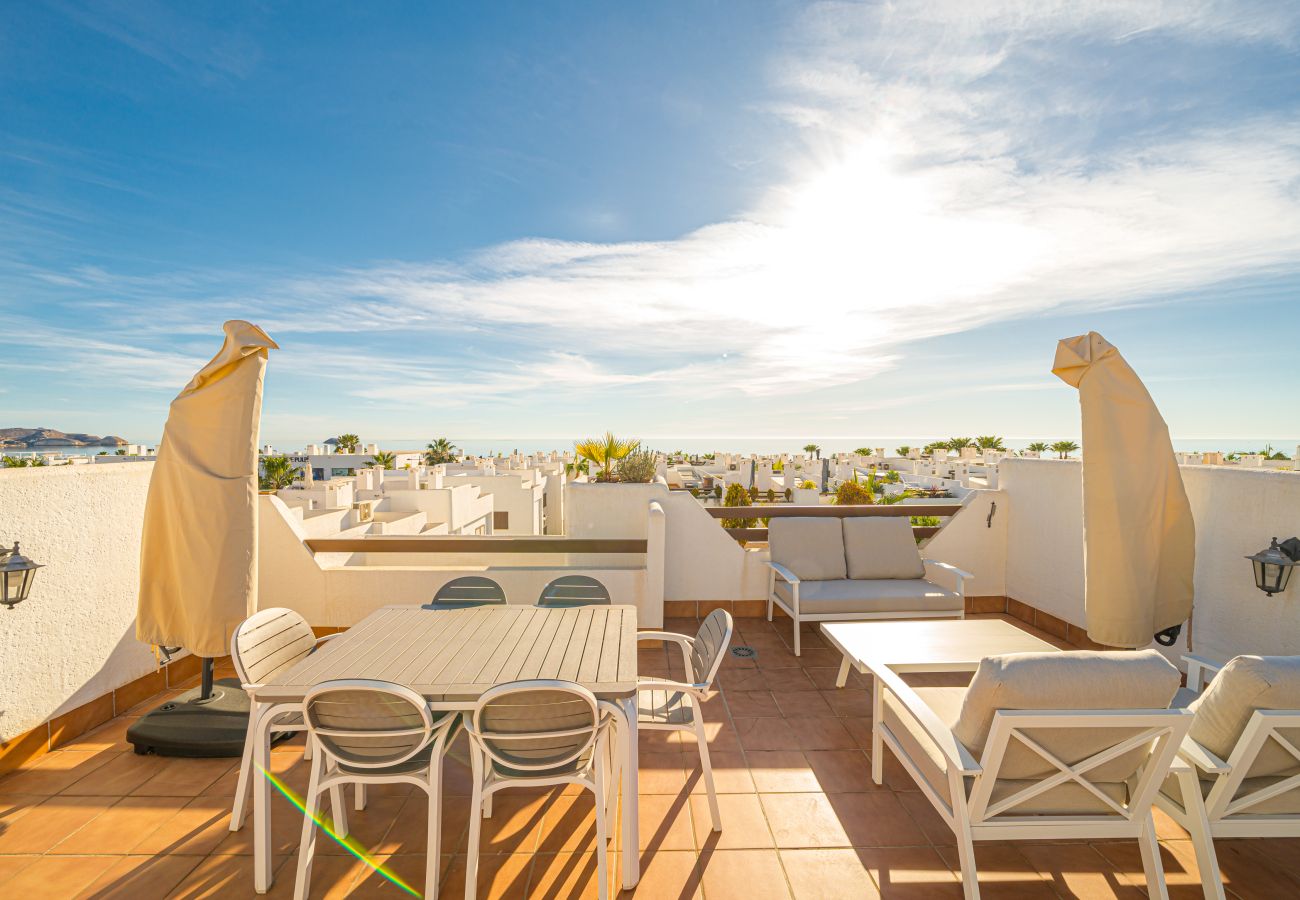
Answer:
(198, 552)
(1139, 538)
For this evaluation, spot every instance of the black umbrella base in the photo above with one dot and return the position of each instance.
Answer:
(182, 727)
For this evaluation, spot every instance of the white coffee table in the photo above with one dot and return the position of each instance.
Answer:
(921, 645)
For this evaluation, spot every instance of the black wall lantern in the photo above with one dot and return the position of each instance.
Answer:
(1273, 566)
(17, 573)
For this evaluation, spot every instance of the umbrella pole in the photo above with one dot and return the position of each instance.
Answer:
(206, 692)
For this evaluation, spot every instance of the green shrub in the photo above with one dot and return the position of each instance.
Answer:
(854, 493)
(737, 496)
(717, 492)
(637, 467)
(789, 494)
(808, 485)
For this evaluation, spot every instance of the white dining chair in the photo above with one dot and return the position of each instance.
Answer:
(667, 705)
(373, 732)
(265, 644)
(538, 733)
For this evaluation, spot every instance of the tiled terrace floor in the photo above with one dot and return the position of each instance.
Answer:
(801, 817)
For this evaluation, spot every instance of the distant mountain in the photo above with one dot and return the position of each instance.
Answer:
(32, 438)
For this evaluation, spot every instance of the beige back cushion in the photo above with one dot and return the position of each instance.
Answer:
(1244, 685)
(811, 548)
(882, 548)
(1080, 679)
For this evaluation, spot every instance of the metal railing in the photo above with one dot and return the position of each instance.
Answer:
(456, 543)
(744, 535)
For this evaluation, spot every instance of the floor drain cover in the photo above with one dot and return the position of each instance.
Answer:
(744, 652)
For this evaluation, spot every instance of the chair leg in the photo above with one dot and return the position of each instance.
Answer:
(307, 846)
(970, 879)
(359, 800)
(475, 825)
(433, 852)
(602, 850)
(769, 607)
(237, 812)
(1198, 826)
(1151, 864)
(306, 750)
(487, 805)
(877, 741)
(338, 810)
(701, 739)
(796, 635)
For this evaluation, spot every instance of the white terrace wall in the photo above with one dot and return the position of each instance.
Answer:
(1237, 510)
(74, 638)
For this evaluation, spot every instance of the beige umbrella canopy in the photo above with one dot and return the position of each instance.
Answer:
(1139, 538)
(198, 555)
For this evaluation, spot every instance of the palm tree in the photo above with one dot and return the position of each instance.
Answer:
(813, 449)
(605, 451)
(277, 473)
(1037, 447)
(346, 443)
(863, 451)
(903, 450)
(384, 458)
(959, 443)
(989, 442)
(1064, 448)
(439, 451)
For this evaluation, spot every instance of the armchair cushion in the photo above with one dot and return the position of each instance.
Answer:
(811, 547)
(1081, 680)
(1245, 684)
(888, 595)
(882, 548)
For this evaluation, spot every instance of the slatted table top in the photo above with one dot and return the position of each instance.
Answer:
(930, 645)
(453, 656)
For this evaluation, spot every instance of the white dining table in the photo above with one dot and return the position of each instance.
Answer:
(452, 657)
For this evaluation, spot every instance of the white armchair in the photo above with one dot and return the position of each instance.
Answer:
(1238, 773)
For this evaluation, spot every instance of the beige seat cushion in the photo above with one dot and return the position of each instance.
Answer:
(884, 596)
(1245, 684)
(811, 548)
(1069, 680)
(882, 548)
(946, 702)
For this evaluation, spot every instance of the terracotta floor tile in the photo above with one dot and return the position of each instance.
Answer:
(743, 875)
(370, 827)
(730, 773)
(1003, 871)
(49, 822)
(926, 817)
(12, 865)
(570, 876)
(802, 703)
(841, 771)
(185, 777)
(1077, 870)
(766, 734)
(821, 733)
(665, 823)
(815, 658)
(232, 876)
(848, 701)
(286, 831)
(118, 777)
(661, 772)
(744, 825)
(140, 877)
(786, 680)
(570, 825)
(840, 820)
(914, 873)
(501, 876)
(782, 771)
(55, 771)
(666, 875)
(803, 820)
(197, 829)
(56, 876)
(121, 827)
(751, 703)
(741, 680)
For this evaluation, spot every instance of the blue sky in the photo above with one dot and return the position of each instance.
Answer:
(675, 219)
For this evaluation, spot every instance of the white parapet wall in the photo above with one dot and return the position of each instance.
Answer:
(1237, 511)
(73, 639)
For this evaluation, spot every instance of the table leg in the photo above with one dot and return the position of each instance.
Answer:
(843, 677)
(631, 836)
(262, 799)
(877, 743)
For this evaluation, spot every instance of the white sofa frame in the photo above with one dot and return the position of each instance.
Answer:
(1221, 813)
(932, 567)
(973, 817)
